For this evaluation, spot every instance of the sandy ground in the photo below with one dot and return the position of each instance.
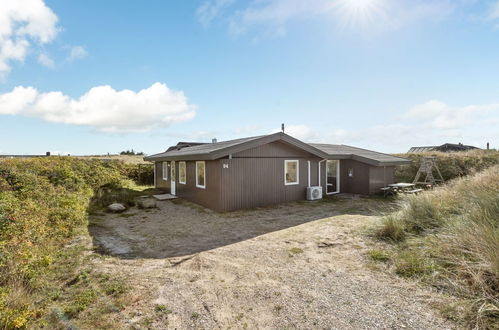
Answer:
(300, 265)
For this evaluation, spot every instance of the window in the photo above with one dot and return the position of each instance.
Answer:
(200, 175)
(181, 173)
(165, 170)
(291, 172)
(332, 176)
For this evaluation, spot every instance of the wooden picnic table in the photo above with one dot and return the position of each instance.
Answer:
(403, 187)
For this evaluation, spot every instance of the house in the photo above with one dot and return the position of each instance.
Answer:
(446, 147)
(269, 169)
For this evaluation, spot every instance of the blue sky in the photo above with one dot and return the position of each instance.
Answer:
(91, 77)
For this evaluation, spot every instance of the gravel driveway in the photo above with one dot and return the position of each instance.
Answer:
(299, 265)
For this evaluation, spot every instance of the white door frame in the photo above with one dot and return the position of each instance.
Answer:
(337, 177)
(173, 179)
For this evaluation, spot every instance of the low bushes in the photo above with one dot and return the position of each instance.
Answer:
(449, 238)
(451, 164)
(43, 204)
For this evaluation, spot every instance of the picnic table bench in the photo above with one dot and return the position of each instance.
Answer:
(402, 187)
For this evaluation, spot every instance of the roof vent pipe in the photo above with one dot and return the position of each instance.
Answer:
(487, 146)
(214, 140)
(282, 127)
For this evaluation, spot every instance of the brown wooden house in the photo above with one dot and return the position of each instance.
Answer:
(269, 169)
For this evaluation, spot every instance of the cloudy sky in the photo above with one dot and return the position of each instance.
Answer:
(91, 77)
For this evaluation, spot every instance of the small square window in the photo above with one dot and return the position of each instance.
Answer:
(291, 172)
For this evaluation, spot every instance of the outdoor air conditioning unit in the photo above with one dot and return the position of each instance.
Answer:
(314, 193)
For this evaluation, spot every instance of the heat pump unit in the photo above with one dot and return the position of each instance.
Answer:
(314, 193)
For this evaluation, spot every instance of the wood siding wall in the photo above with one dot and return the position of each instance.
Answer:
(160, 183)
(255, 177)
(380, 177)
(209, 196)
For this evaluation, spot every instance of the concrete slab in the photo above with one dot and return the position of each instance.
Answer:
(164, 197)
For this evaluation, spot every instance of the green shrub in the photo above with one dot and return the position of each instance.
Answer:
(43, 204)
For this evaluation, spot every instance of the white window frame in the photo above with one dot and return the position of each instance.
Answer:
(297, 171)
(204, 174)
(180, 164)
(164, 167)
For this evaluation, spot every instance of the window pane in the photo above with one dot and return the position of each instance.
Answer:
(200, 174)
(182, 172)
(332, 176)
(173, 172)
(292, 172)
(165, 170)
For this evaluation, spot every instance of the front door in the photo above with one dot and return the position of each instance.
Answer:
(172, 179)
(332, 176)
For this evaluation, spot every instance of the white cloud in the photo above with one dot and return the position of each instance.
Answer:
(439, 115)
(23, 22)
(430, 123)
(45, 60)
(211, 9)
(102, 107)
(77, 52)
(493, 12)
(272, 17)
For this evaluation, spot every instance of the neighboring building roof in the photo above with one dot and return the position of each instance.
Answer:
(217, 150)
(208, 151)
(446, 147)
(341, 151)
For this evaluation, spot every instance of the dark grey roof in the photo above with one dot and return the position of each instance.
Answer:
(446, 147)
(326, 151)
(341, 151)
(224, 148)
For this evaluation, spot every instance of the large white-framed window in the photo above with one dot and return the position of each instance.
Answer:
(182, 174)
(200, 174)
(291, 172)
(165, 170)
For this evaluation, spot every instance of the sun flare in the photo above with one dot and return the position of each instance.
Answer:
(363, 13)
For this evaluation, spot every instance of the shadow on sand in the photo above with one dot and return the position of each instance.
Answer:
(179, 228)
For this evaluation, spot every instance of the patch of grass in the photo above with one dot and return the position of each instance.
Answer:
(162, 309)
(278, 308)
(115, 287)
(195, 315)
(295, 250)
(413, 264)
(379, 255)
(391, 229)
(451, 241)
(80, 302)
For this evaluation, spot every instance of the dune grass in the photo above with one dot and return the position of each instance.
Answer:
(449, 238)
(451, 164)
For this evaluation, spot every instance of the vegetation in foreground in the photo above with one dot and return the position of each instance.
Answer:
(449, 238)
(45, 278)
(451, 164)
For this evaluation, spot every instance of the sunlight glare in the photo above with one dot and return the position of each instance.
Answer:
(359, 13)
